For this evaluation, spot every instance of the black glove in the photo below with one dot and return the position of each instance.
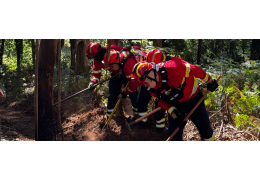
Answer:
(123, 95)
(179, 118)
(180, 123)
(213, 85)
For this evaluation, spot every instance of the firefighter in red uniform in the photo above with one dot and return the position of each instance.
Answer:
(96, 51)
(174, 83)
(144, 96)
(129, 57)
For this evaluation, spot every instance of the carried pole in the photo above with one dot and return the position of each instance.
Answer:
(193, 109)
(87, 89)
(141, 118)
(114, 110)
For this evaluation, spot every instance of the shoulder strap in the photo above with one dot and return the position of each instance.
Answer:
(168, 58)
(164, 76)
(164, 85)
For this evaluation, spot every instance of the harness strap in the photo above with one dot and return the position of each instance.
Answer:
(164, 87)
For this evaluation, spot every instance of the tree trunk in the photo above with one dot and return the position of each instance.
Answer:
(33, 52)
(81, 64)
(2, 45)
(243, 48)
(86, 59)
(72, 49)
(114, 41)
(59, 91)
(157, 42)
(19, 50)
(199, 51)
(47, 56)
(255, 49)
(62, 42)
(36, 88)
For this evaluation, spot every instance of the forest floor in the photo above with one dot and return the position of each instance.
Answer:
(83, 122)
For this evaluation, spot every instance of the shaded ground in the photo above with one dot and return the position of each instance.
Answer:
(83, 122)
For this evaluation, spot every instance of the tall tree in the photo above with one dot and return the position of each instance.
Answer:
(33, 51)
(157, 42)
(255, 49)
(81, 65)
(47, 56)
(72, 51)
(62, 42)
(114, 41)
(19, 51)
(199, 51)
(2, 45)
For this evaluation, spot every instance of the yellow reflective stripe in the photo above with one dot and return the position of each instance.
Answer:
(138, 69)
(96, 72)
(109, 110)
(160, 121)
(124, 53)
(160, 125)
(114, 52)
(195, 86)
(206, 78)
(212, 138)
(154, 55)
(142, 113)
(144, 120)
(183, 79)
(171, 109)
(134, 108)
(187, 69)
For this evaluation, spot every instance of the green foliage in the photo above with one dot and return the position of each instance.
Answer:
(242, 83)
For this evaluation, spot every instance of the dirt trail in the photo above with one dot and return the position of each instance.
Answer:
(83, 122)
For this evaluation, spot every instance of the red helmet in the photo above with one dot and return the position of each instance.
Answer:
(114, 57)
(136, 55)
(140, 72)
(92, 49)
(155, 56)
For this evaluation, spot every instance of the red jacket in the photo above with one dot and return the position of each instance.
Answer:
(97, 66)
(177, 70)
(127, 69)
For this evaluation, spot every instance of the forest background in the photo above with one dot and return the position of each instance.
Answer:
(237, 60)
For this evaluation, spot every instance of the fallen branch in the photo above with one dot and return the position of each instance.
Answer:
(217, 111)
(220, 129)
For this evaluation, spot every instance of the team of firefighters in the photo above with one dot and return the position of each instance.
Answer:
(170, 81)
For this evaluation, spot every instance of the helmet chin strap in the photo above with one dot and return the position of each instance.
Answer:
(155, 75)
